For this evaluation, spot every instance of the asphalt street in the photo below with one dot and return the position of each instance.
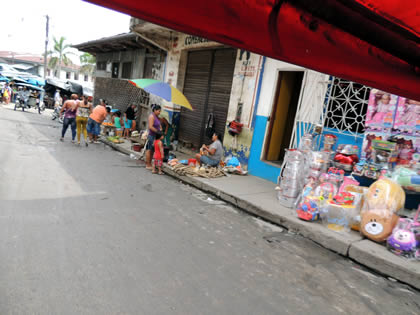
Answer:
(87, 230)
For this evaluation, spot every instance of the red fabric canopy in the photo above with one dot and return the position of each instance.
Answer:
(373, 42)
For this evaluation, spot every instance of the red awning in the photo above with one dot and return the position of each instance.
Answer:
(374, 42)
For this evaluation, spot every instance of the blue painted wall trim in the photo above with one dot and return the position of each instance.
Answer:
(257, 101)
(257, 167)
(270, 172)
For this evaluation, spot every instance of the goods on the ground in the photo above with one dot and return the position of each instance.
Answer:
(211, 172)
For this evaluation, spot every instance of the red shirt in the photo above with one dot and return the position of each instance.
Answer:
(157, 155)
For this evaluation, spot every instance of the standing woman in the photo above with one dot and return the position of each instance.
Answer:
(154, 127)
(82, 116)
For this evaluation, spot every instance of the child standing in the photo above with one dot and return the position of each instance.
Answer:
(117, 123)
(127, 126)
(158, 155)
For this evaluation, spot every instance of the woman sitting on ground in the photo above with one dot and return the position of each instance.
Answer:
(211, 155)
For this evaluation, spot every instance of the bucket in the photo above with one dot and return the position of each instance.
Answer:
(192, 162)
(136, 147)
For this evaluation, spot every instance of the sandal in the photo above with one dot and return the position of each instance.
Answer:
(161, 173)
(148, 167)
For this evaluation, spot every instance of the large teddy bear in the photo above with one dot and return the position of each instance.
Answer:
(383, 200)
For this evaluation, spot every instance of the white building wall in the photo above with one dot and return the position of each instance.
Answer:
(269, 83)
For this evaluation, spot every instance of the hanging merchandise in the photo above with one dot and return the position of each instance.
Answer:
(290, 179)
(383, 200)
(381, 111)
(235, 128)
(382, 159)
(210, 125)
(405, 238)
(346, 157)
(407, 118)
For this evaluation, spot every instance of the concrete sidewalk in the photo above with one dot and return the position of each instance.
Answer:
(258, 197)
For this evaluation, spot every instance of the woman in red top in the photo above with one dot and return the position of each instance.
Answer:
(158, 155)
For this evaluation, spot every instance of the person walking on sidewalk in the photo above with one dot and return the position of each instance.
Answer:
(95, 120)
(82, 116)
(154, 127)
(158, 154)
(70, 110)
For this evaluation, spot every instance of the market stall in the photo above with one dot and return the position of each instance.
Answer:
(375, 190)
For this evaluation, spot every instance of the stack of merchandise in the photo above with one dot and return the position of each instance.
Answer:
(392, 137)
(290, 179)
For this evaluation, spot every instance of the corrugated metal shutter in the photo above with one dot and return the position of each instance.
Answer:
(208, 83)
(195, 89)
(220, 87)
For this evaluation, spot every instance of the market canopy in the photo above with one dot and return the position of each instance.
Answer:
(374, 42)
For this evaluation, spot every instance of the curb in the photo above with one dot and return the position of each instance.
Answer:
(353, 246)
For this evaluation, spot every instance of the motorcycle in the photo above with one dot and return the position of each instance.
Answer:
(56, 114)
(20, 103)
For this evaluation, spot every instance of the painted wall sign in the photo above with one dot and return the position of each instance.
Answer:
(247, 69)
(191, 40)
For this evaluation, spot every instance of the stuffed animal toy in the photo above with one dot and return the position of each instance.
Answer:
(383, 200)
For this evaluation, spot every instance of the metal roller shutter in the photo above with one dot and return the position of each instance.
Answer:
(220, 87)
(208, 83)
(195, 89)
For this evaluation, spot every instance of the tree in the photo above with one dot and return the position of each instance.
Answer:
(59, 54)
(88, 63)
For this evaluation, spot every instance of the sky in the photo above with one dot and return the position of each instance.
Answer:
(23, 27)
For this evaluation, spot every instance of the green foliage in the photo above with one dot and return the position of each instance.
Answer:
(88, 62)
(59, 54)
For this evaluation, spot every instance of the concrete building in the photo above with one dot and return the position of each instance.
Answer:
(276, 102)
(121, 57)
(34, 64)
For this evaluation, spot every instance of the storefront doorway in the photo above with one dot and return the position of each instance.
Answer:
(282, 118)
(207, 85)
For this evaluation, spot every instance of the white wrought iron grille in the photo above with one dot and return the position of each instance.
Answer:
(347, 106)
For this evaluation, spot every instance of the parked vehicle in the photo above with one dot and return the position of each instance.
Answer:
(20, 103)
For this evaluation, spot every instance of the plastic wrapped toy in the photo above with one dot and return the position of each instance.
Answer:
(308, 209)
(405, 238)
(383, 200)
(407, 178)
(341, 212)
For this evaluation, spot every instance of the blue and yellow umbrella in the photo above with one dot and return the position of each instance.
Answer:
(163, 90)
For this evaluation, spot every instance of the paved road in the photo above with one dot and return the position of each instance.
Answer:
(89, 231)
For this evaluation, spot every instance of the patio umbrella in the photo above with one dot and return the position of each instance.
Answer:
(163, 90)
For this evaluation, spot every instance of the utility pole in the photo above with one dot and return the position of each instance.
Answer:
(46, 46)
